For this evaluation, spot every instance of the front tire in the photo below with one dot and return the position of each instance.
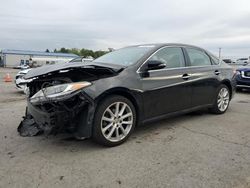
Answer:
(114, 121)
(222, 100)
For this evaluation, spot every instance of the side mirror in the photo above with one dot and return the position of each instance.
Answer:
(154, 65)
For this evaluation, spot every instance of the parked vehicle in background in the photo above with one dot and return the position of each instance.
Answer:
(106, 98)
(22, 67)
(41, 61)
(243, 77)
(228, 61)
(21, 82)
(242, 61)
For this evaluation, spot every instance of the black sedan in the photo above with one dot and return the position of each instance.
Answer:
(107, 98)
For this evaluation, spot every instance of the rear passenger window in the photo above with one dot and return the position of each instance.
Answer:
(198, 57)
(171, 56)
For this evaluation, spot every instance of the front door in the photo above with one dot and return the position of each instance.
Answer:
(166, 90)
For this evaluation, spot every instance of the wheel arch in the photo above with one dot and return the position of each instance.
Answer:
(228, 84)
(127, 93)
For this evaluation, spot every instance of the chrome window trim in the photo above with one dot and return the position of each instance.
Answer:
(176, 68)
(186, 67)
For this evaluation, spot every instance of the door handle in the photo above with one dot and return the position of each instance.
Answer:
(216, 72)
(185, 76)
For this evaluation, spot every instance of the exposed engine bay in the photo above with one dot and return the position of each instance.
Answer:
(68, 76)
(56, 101)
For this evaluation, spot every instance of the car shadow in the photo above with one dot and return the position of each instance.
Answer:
(244, 91)
(169, 123)
(145, 131)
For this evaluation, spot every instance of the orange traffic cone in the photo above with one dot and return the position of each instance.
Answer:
(7, 78)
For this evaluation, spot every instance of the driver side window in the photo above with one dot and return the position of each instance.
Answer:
(172, 57)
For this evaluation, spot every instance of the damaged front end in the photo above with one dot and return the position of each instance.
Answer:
(55, 109)
(57, 102)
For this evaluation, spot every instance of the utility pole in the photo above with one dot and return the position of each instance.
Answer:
(219, 53)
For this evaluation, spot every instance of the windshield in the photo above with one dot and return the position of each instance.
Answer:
(125, 56)
(77, 59)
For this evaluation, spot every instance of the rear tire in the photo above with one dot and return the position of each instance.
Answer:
(222, 100)
(114, 121)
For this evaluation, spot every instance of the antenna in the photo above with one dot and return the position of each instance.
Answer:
(219, 53)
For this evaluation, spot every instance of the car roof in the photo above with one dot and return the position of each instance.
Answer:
(159, 45)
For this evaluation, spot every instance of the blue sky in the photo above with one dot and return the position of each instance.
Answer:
(38, 25)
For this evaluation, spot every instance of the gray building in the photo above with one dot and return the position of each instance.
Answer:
(15, 58)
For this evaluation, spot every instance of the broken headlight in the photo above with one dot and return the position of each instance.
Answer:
(57, 92)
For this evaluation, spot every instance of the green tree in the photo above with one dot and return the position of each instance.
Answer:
(64, 50)
(75, 51)
(82, 52)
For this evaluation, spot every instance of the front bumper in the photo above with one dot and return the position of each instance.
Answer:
(242, 82)
(47, 122)
(21, 84)
(243, 86)
(56, 117)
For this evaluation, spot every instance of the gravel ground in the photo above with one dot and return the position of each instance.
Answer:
(194, 150)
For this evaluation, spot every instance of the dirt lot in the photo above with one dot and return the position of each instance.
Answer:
(194, 150)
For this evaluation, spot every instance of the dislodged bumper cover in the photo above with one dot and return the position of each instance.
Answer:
(37, 121)
(57, 119)
(28, 127)
(45, 121)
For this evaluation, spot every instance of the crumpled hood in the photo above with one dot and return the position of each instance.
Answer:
(44, 70)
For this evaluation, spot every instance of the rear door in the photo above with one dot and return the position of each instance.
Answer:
(165, 90)
(204, 76)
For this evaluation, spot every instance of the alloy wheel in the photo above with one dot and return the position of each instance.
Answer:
(223, 99)
(117, 121)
